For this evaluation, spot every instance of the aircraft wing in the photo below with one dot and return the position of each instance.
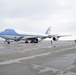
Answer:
(57, 35)
(34, 37)
(43, 36)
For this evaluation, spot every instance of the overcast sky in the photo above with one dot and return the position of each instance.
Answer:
(38, 15)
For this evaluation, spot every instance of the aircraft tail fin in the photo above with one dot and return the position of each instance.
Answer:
(48, 30)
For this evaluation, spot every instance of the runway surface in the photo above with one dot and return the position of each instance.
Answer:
(43, 58)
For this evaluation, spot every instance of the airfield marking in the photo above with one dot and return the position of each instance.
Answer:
(43, 69)
(30, 57)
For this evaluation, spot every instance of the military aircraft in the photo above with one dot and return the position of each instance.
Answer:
(17, 35)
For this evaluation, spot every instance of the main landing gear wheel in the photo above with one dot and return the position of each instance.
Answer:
(34, 41)
(26, 41)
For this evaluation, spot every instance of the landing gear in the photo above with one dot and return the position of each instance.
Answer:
(26, 41)
(34, 41)
(8, 42)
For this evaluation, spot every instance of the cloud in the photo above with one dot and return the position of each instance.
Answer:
(38, 15)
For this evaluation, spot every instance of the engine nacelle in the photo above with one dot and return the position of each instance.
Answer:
(39, 39)
(55, 38)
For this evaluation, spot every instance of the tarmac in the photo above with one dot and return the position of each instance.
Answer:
(43, 58)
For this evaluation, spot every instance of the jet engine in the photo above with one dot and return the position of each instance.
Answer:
(39, 39)
(55, 38)
(36, 40)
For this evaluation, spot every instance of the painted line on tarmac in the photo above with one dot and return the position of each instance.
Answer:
(30, 57)
(43, 69)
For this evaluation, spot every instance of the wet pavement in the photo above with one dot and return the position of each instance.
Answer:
(38, 59)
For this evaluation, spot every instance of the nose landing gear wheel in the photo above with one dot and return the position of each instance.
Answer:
(8, 42)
